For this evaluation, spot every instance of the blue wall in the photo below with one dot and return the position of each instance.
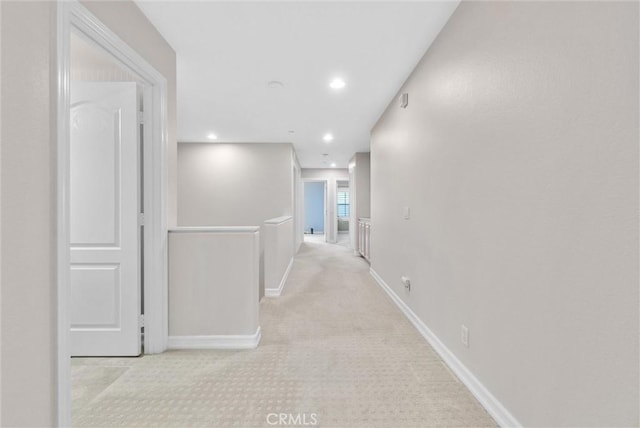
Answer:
(314, 206)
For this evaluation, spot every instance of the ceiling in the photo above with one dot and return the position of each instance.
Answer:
(228, 52)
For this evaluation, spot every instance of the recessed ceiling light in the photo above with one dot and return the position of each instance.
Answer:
(212, 136)
(327, 137)
(337, 84)
(275, 84)
(333, 165)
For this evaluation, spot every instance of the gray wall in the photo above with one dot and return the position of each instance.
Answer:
(518, 157)
(213, 283)
(233, 184)
(28, 290)
(28, 295)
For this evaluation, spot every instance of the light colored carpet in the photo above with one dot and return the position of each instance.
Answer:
(315, 238)
(335, 351)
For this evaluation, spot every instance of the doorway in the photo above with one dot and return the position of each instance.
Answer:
(147, 172)
(343, 212)
(105, 198)
(315, 197)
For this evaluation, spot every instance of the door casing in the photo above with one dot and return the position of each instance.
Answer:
(325, 196)
(71, 15)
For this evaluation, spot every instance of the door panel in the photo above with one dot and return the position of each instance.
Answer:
(95, 291)
(95, 179)
(104, 205)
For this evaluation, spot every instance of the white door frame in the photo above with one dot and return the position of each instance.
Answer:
(297, 204)
(325, 199)
(337, 232)
(72, 15)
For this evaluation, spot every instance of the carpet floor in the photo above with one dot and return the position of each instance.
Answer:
(335, 352)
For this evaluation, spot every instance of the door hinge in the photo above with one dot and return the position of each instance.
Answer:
(141, 320)
(140, 219)
(140, 117)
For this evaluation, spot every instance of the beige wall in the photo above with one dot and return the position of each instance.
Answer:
(27, 296)
(213, 283)
(518, 157)
(234, 185)
(0, 219)
(27, 176)
(278, 252)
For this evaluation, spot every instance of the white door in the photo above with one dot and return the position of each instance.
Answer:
(104, 206)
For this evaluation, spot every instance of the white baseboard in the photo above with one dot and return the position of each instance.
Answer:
(276, 292)
(482, 394)
(248, 341)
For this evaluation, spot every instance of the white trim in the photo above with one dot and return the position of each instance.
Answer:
(325, 199)
(62, 255)
(215, 229)
(248, 341)
(298, 202)
(482, 394)
(71, 14)
(156, 177)
(278, 220)
(276, 292)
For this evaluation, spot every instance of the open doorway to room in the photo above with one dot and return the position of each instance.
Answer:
(315, 197)
(343, 213)
(111, 217)
(106, 198)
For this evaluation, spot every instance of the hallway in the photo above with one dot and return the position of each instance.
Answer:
(334, 350)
